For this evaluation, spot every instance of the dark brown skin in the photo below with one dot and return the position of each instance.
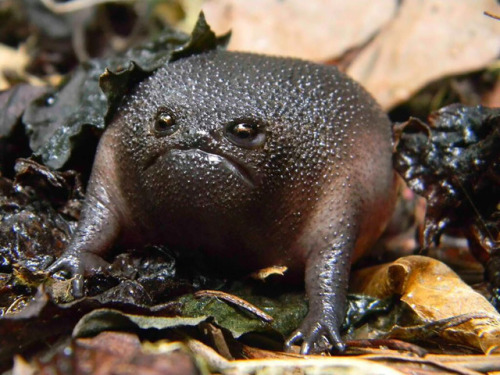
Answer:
(256, 160)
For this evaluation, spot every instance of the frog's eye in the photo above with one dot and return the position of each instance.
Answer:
(246, 133)
(164, 123)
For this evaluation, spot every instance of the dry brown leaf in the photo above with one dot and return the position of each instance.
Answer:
(427, 40)
(11, 60)
(264, 273)
(316, 30)
(112, 353)
(434, 292)
(285, 363)
(22, 367)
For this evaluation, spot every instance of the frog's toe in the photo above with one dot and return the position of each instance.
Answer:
(75, 267)
(316, 337)
(69, 267)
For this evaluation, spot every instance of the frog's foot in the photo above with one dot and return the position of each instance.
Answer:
(317, 335)
(76, 267)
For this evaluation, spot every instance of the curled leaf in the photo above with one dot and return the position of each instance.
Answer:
(434, 293)
(454, 162)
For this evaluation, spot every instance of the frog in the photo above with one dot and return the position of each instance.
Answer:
(253, 160)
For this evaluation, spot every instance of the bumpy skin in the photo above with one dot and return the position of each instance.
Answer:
(310, 190)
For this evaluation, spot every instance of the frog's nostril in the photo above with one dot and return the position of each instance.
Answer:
(215, 135)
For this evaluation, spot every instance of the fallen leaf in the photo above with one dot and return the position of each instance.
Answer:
(287, 310)
(236, 301)
(101, 320)
(12, 60)
(115, 354)
(453, 162)
(312, 30)
(13, 102)
(433, 292)
(264, 273)
(427, 40)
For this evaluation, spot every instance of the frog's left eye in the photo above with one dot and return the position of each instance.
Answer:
(164, 123)
(245, 133)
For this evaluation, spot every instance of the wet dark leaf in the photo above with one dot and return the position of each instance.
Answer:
(150, 278)
(32, 231)
(13, 141)
(54, 121)
(37, 214)
(116, 84)
(454, 162)
(362, 307)
(63, 190)
(13, 102)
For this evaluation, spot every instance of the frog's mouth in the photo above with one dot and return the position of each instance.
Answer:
(244, 173)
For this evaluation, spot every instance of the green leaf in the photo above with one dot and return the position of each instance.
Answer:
(287, 309)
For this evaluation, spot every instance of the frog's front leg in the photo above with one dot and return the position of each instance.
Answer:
(326, 283)
(96, 232)
(98, 227)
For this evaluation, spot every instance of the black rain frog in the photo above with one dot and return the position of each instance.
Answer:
(258, 161)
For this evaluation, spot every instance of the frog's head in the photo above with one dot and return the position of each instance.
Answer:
(229, 127)
(229, 147)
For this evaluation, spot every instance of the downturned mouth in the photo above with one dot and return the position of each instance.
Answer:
(237, 168)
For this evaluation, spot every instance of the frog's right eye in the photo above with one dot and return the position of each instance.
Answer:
(164, 123)
(246, 133)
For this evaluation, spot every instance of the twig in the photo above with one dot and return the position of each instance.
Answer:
(489, 14)
(235, 301)
(75, 5)
(433, 328)
(388, 343)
